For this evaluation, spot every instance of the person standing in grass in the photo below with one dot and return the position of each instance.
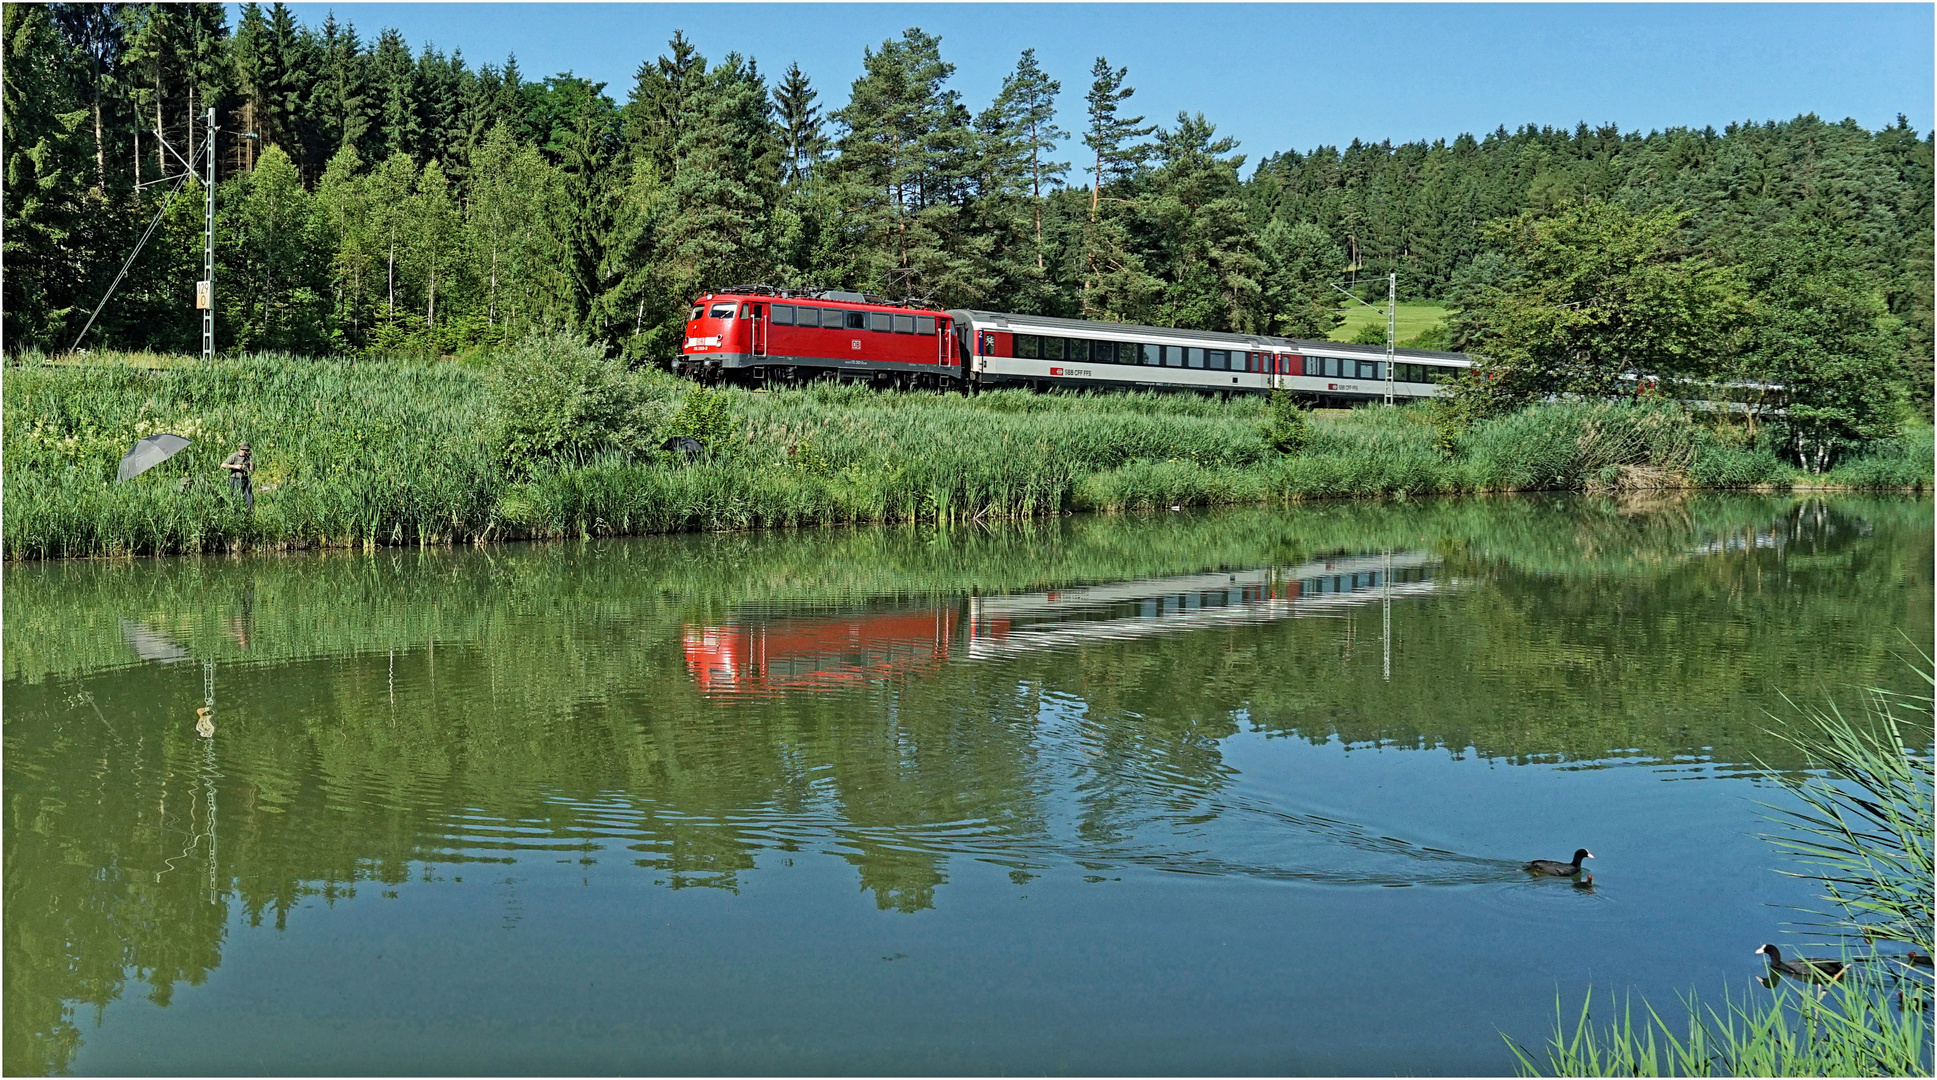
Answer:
(240, 465)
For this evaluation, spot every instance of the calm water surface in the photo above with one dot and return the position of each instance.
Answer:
(1231, 793)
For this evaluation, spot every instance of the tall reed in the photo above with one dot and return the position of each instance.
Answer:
(359, 453)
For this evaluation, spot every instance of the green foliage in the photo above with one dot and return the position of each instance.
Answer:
(1289, 430)
(705, 414)
(1594, 292)
(1821, 331)
(557, 401)
(1369, 334)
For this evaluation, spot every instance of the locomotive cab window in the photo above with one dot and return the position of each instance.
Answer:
(723, 311)
(698, 313)
(783, 315)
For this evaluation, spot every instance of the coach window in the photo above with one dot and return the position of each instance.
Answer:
(722, 311)
(783, 314)
(1214, 359)
(1052, 348)
(924, 324)
(1103, 352)
(1079, 350)
(1026, 346)
(1153, 355)
(1193, 356)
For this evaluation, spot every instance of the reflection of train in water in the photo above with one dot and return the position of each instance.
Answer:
(791, 652)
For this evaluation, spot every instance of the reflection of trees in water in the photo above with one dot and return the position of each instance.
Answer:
(554, 719)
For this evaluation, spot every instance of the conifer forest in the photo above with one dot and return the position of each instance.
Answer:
(372, 198)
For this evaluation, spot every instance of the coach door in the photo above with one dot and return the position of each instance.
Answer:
(757, 319)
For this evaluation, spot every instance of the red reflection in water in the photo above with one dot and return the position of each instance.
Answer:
(818, 654)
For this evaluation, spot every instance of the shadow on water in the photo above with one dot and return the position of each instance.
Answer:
(1049, 698)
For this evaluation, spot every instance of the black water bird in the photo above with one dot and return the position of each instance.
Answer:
(1586, 883)
(1818, 971)
(1550, 868)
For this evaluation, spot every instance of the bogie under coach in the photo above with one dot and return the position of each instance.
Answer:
(763, 335)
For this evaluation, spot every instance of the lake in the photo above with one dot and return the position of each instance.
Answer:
(1238, 792)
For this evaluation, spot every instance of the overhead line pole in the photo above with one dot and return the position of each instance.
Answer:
(1391, 329)
(1391, 326)
(205, 289)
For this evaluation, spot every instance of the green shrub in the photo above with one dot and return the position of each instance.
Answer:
(1288, 430)
(557, 401)
(707, 415)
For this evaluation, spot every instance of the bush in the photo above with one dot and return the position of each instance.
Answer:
(706, 415)
(1288, 430)
(557, 401)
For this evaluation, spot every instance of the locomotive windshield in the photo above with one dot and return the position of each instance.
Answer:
(723, 311)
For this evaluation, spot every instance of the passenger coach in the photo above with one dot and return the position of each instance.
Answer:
(1040, 351)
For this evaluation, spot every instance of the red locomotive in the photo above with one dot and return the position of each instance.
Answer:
(764, 334)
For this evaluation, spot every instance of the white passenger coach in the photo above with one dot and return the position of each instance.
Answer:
(1042, 352)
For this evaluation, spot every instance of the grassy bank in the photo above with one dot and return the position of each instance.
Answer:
(387, 452)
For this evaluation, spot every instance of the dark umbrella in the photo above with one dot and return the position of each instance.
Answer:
(149, 451)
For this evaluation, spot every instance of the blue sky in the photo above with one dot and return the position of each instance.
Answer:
(1278, 76)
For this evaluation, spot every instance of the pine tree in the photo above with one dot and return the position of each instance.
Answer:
(802, 143)
(1206, 231)
(1116, 283)
(96, 37)
(661, 105)
(1115, 141)
(908, 158)
(393, 86)
(587, 208)
(340, 99)
(47, 169)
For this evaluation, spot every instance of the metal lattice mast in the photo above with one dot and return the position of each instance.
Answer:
(205, 298)
(1391, 330)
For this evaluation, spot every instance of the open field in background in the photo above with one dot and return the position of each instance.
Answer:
(392, 452)
(1414, 319)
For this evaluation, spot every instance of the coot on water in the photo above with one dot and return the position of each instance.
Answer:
(1550, 868)
(1822, 971)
